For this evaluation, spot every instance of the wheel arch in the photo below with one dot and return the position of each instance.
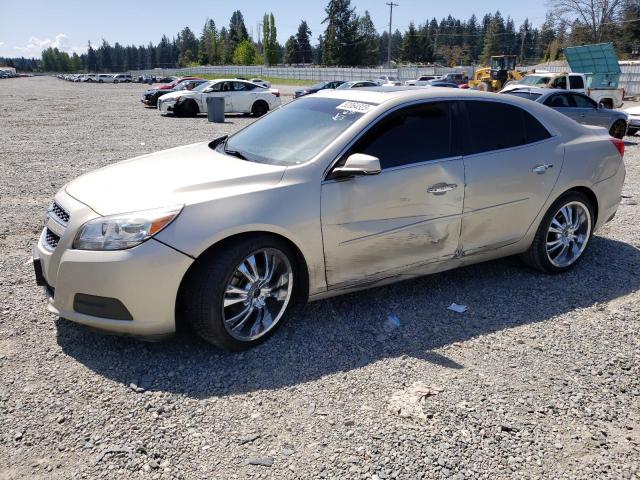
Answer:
(209, 252)
(587, 192)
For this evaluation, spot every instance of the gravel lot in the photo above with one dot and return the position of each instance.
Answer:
(540, 378)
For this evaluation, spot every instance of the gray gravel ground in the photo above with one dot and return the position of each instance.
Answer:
(540, 378)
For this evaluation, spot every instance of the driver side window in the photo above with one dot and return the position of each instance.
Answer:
(412, 135)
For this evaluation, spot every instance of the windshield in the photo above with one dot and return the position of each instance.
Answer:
(534, 80)
(297, 132)
(202, 87)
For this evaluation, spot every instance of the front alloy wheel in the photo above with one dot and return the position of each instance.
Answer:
(257, 294)
(239, 293)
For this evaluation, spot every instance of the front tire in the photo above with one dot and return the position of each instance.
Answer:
(632, 131)
(240, 294)
(563, 235)
(618, 129)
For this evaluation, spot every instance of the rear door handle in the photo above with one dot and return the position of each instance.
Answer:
(540, 169)
(441, 188)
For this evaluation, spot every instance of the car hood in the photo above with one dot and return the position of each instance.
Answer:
(632, 111)
(182, 175)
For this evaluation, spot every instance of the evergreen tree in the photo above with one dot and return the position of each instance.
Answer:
(208, 48)
(291, 51)
(187, 44)
(92, 59)
(237, 29)
(163, 56)
(270, 39)
(341, 34)
(303, 40)
(370, 41)
(628, 41)
(493, 44)
(410, 46)
(104, 57)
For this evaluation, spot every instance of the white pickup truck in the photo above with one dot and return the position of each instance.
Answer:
(576, 82)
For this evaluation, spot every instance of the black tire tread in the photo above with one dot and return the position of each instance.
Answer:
(208, 280)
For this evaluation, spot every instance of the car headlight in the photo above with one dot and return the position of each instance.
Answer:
(119, 232)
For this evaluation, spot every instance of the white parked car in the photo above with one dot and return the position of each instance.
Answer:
(262, 83)
(104, 78)
(421, 81)
(634, 120)
(387, 81)
(240, 96)
(122, 78)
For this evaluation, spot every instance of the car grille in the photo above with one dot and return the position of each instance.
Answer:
(59, 213)
(51, 239)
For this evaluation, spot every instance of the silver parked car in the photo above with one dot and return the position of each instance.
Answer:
(579, 107)
(335, 192)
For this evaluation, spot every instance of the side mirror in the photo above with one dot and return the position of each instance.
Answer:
(358, 164)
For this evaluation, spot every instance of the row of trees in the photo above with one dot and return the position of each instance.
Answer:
(351, 39)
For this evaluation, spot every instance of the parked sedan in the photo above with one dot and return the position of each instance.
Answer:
(357, 84)
(578, 106)
(104, 78)
(441, 83)
(240, 96)
(317, 87)
(421, 81)
(336, 192)
(151, 95)
(634, 120)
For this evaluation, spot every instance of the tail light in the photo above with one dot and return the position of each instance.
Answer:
(276, 93)
(619, 144)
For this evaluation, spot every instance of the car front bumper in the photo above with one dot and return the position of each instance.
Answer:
(94, 288)
(166, 107)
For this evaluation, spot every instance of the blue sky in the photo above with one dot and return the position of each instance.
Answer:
(26, 29)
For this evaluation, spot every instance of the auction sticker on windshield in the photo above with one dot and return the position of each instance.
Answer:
(358, 107)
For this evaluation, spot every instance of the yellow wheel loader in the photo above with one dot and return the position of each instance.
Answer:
(494, 78)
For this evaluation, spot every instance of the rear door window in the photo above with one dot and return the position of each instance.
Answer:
(496, 126)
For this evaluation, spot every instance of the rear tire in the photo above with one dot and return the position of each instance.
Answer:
(557, 245)
(618, 129)
(254, 308)
(606, 103)
(259, 108)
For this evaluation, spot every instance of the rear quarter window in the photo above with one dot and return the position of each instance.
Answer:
(496, 126)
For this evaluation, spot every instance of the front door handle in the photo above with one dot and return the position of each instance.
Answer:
(441, 188)
(540, 169)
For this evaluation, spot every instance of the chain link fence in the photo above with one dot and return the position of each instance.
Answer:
(306, 73)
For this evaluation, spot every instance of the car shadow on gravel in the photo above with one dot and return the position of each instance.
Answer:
(348, 332)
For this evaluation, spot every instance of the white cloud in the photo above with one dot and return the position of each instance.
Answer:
(1, 44)
(36, 45)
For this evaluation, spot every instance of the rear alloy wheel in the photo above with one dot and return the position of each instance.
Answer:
(259, 108)
(563, 234)
(618, 129)
(238, 298)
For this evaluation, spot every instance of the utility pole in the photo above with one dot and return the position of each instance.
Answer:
(524, 34)
(391, 5)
